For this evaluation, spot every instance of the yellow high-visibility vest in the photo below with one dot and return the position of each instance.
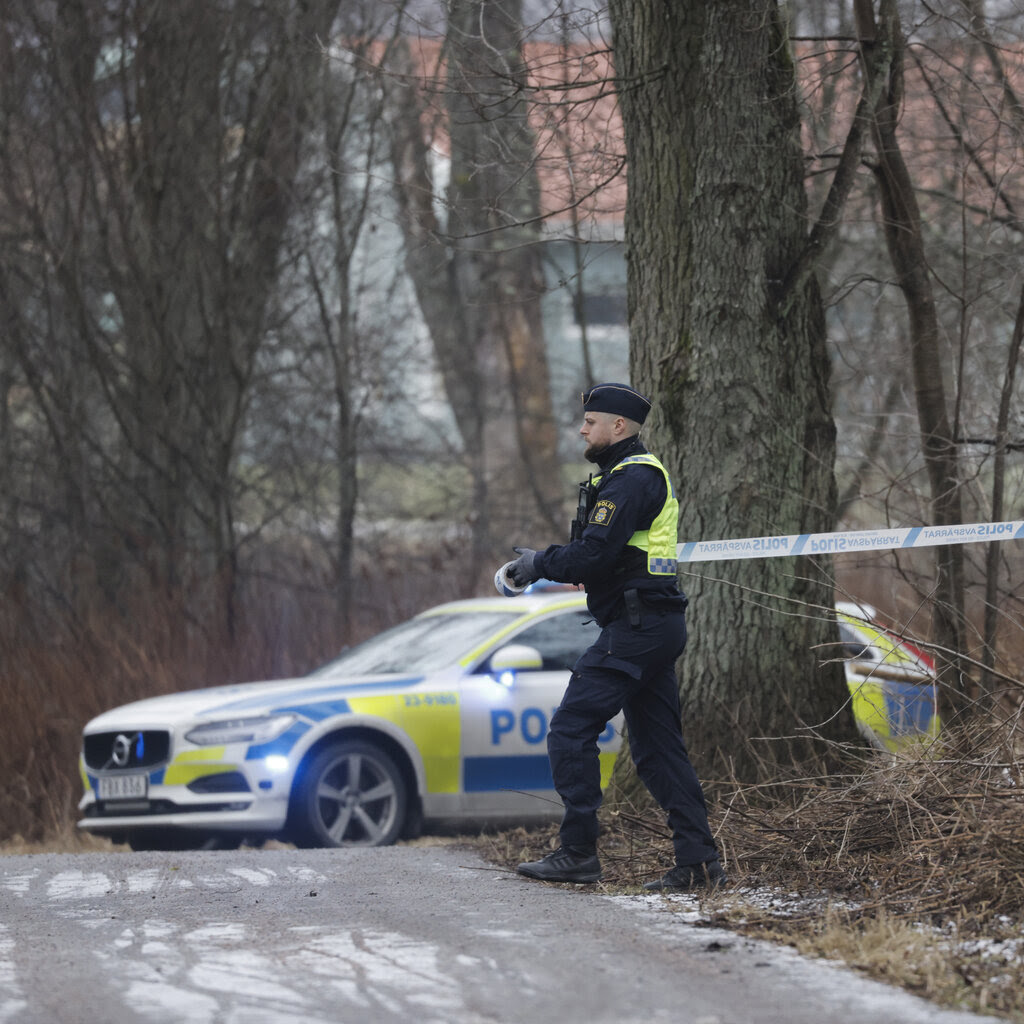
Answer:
(659, 541)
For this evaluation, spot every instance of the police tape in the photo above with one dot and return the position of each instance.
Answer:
(849, 540)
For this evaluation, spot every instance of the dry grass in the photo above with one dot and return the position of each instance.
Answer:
(909, 869)
(66, 840)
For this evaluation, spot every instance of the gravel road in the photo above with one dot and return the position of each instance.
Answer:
(409, 933)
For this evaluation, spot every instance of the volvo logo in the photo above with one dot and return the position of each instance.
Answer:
(122, 752)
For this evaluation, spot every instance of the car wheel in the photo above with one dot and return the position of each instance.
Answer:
(179, 839)
(350, 794)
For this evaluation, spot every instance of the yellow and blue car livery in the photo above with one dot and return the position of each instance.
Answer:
(892, 684)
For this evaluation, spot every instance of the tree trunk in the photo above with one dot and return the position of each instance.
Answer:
(716, 219)
(994, 554)
(902, 224)
(479, 279)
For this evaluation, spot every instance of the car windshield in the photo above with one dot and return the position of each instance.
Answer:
(423, 644)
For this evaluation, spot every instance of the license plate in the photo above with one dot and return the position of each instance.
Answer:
(123, 787)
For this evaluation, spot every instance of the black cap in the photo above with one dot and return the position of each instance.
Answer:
(618, 399)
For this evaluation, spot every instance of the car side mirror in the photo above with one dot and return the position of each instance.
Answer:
(516, 658)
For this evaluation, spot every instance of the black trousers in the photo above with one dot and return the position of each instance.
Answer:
(632, 669)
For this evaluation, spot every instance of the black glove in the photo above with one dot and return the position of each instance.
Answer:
(522, 572)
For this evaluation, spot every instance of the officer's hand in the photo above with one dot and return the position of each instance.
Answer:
(521, 572)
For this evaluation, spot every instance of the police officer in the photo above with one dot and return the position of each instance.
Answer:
(624, 554)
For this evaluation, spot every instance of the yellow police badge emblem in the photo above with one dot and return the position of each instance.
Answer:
(603, 511)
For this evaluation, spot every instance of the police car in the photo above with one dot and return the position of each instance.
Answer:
(893, 684)
(442, 718)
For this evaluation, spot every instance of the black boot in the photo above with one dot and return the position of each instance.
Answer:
(564, 865)
(687, 877)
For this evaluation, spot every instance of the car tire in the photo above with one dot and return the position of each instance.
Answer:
(351, 794)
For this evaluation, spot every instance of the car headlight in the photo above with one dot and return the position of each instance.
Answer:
(240, 730)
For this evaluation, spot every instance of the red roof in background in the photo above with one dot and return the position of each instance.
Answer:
(957, 132)
(954, 106)
(579, 146)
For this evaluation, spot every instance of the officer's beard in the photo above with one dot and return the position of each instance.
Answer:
(593, 452)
